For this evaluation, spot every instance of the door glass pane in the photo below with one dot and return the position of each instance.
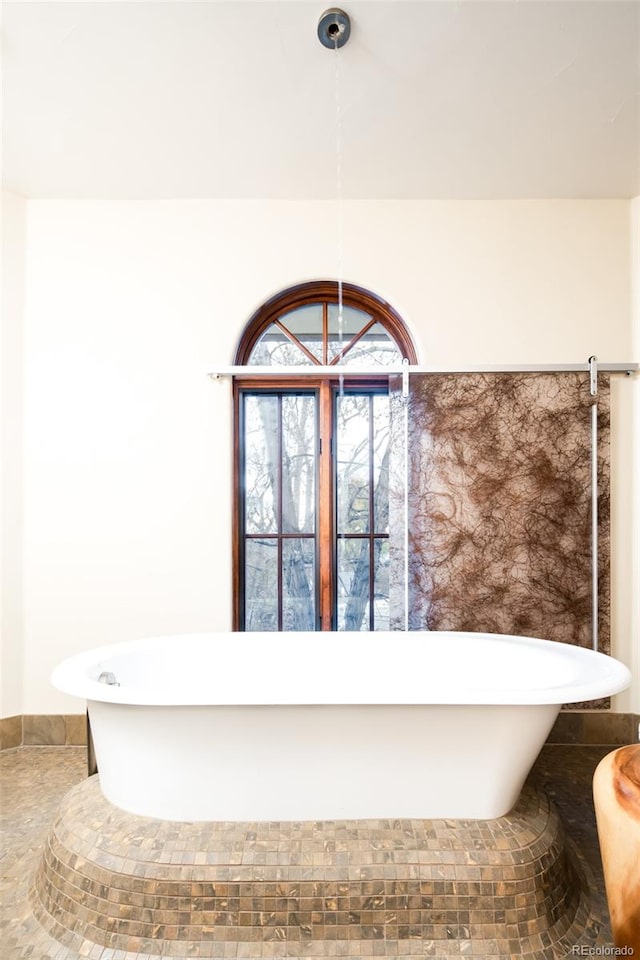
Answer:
(298, 463)
(280, 456)
(381, 619)
(261, 585)
(353, 584)
(380, 463)
(352, 463)
(260, 466)
(298, 584)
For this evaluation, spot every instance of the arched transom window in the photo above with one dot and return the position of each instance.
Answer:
(311, 541)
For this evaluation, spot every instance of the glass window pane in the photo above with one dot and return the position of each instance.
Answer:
(298, 463)
(274, 348)
(340, 334)
(381, 463)
(260, 467)
(352, 463)
(353, 584)
(306, 324)
(375, 348)
(261, 585)
(304, 321)
(298, 584)
(381, 620)
(353, 320)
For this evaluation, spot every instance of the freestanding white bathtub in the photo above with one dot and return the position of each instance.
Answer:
(326, 726)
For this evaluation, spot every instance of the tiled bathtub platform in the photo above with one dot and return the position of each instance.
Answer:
(506, 887)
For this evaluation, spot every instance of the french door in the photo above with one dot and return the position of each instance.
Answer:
(311, 549)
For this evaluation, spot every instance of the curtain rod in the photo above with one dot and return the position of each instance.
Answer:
(312, 370)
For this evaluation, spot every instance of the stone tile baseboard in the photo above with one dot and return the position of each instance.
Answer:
(39, 730)
(10, 732)
(572, 726)
(595, 727)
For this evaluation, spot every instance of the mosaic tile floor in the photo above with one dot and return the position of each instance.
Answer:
(35, 779)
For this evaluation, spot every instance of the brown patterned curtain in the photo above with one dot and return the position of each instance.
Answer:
(499, 505)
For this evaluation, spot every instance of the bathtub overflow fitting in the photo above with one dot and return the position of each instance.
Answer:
(334, 28)
(109, 678)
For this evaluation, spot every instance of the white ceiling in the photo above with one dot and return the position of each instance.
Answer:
(438, 98)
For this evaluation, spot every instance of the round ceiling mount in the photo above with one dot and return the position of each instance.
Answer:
(334, 28)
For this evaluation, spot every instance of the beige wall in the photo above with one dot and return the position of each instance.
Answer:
(127, 481)
(633, 472)
(11, 436)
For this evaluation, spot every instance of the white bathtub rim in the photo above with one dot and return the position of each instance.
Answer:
(598, 675)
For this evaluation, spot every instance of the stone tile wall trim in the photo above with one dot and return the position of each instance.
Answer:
(10, 732)
(40, 730)
(572, 726)
(595, 728)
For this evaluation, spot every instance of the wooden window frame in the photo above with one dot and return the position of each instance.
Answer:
(325, 291)
(315, 291)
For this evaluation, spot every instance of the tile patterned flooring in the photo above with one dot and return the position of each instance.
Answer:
(34, 779)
